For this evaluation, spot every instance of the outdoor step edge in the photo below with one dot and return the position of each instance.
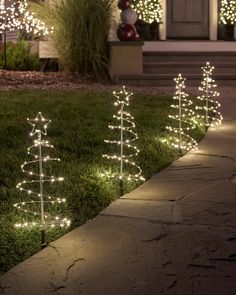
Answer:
(187, 64)
(189, 53)
(172, 76)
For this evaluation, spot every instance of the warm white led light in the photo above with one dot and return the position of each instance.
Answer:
(180, 139)
(227, 12)
(148, 10)
(18, 17)
(39, 200)
(127, 135)
(208, 113)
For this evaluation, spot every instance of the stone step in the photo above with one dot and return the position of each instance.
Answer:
(189, 46)
(152, 80)
(189, 56)
(187, 68)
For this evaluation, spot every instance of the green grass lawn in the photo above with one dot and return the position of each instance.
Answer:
(79, 126)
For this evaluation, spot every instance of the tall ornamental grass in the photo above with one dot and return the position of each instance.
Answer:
(80, 34)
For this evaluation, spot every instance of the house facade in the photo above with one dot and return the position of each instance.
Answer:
(190, 35)
(186, 20)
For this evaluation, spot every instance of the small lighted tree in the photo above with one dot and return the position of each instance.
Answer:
(149, 10)
(208, 111)
(37, 208)
(228, 12)
(8, 18)
(183, 119)
(17, 17)
(126, 150)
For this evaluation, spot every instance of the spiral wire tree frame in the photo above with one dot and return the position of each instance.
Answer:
(180, 139)
(43, 219)
(208, 113)
(125, 128)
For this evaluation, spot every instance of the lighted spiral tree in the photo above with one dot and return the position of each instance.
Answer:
(180, 139)
(37, 209)
(208, 111)
(126, 150)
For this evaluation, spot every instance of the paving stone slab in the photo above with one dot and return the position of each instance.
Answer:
(120, 256)
(186, 175)
(156, 211)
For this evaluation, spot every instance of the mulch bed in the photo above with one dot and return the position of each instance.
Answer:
(46, 80)
(10, 80)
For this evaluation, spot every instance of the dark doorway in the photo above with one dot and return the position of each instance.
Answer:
(188, 19)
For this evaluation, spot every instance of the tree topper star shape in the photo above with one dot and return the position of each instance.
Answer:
(123, 96)
(180, 81)
(39, 124)
(207, 69)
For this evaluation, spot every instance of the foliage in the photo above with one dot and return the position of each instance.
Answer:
(19, 57)
(78, 129)
(80, 34)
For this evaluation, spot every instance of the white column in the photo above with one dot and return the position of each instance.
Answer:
(164, 24)
(112, 36)
(213, 20)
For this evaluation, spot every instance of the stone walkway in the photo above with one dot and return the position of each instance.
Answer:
(175, 234)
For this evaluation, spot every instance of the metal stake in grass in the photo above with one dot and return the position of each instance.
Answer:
(35, 208)
(180, 139)
(127, 167)
(207, 111)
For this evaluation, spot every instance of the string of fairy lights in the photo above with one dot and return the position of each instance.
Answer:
(127, 137)
(17, 16)
(227, 12)
(208, 112)
(36, 206)
(148, 10)
(180, 139)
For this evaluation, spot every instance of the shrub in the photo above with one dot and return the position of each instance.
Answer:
(19, 57)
